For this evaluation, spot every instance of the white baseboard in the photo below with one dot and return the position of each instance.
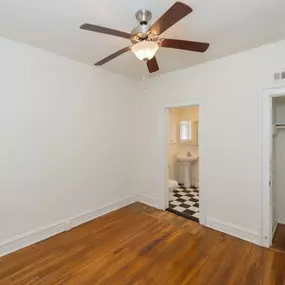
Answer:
(31, 237)
(147, 200)
(234, 230)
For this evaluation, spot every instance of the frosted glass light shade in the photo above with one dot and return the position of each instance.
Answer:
(145, 50)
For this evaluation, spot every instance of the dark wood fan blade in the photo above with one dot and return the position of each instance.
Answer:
(177, 12)
(185, 45)
(104, 30)
(112, 56)
(152, 65)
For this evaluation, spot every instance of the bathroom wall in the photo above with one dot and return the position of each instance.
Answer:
(176, 115)
(173, 142)
(279, 163)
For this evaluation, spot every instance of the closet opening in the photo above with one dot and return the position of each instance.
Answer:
(278, 171)
(273, 169)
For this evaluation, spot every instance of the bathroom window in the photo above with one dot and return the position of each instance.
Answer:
(185, 131)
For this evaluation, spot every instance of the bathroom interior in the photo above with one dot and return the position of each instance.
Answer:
(183, 161)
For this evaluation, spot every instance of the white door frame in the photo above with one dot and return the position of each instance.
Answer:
(202, 190)
(266, 207)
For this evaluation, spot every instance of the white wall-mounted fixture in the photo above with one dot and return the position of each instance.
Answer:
(277, 127)
(187, 162)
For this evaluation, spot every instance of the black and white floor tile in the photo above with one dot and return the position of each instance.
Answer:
(185, 203)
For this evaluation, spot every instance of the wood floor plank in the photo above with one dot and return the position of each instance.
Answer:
(140, 245)
(97, 240)
(222, 264)
(63, 240)
(116, 259)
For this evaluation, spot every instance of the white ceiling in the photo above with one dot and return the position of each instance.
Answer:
(53, 25)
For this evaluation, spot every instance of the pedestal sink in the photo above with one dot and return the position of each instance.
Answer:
(187, 162)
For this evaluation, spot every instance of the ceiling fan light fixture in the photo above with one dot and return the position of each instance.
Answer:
(145, 39)
(145, 50)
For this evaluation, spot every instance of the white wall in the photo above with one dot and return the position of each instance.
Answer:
(64, 130)
(279, 163)
(229, 90)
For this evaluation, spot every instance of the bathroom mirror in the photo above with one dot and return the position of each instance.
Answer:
(189, 132)
(185, 131)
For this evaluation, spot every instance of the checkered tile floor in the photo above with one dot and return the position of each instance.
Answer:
(185, 203)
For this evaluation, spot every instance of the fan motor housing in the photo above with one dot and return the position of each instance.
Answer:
(141, 32)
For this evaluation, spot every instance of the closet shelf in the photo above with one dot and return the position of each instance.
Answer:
(280, 126)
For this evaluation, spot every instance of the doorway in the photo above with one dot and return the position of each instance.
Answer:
(183, 191)
(278, 169)
(273, 166)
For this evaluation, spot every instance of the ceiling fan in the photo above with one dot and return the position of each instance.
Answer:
(145, 39)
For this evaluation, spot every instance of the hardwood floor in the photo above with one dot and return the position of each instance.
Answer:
(140, 245)
(278, 242)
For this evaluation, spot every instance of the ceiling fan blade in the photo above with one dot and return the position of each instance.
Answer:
(112, 56)
(104, 30)
(177, 12)
(185, 45)
(152, 65)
